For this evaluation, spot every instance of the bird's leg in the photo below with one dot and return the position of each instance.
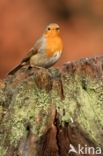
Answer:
(36, 67)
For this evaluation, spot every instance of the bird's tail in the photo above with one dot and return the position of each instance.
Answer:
(15, 69)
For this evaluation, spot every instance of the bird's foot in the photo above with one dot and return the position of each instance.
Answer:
(33, 69)
(38, 67)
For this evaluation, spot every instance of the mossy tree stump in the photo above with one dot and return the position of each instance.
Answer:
(43, 112)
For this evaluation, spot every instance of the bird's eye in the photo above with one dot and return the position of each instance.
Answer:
(49, 28)
(57, 28)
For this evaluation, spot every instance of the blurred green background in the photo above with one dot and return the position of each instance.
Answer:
(23, 21)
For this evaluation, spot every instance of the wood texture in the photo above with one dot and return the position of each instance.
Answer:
(44, 111)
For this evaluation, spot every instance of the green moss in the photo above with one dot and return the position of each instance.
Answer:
(2, 151)
(28, 105)
(31, 106)
(85, 104)
(2, 97)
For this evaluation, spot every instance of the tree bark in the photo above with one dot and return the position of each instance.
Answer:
(48, 112)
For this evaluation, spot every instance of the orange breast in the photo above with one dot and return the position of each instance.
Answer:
(53, 45)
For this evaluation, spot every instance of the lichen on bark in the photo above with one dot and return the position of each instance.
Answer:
(39, 106)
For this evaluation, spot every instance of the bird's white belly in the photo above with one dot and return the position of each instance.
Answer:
(52, 60)
(43, 60)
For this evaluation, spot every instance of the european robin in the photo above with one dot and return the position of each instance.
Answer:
(46, 51)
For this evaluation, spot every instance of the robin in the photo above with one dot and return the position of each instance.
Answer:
(46, 51)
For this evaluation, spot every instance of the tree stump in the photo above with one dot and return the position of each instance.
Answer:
(53, 112)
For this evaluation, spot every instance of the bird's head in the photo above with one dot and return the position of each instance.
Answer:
(52, 30)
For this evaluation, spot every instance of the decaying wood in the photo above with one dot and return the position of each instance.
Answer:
(43, 112)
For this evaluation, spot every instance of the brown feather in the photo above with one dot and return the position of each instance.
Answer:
(25, 61)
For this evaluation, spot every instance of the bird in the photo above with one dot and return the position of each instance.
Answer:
(46, 51)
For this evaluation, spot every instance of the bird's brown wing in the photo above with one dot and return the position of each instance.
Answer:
(25, 60)
(31, 52)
